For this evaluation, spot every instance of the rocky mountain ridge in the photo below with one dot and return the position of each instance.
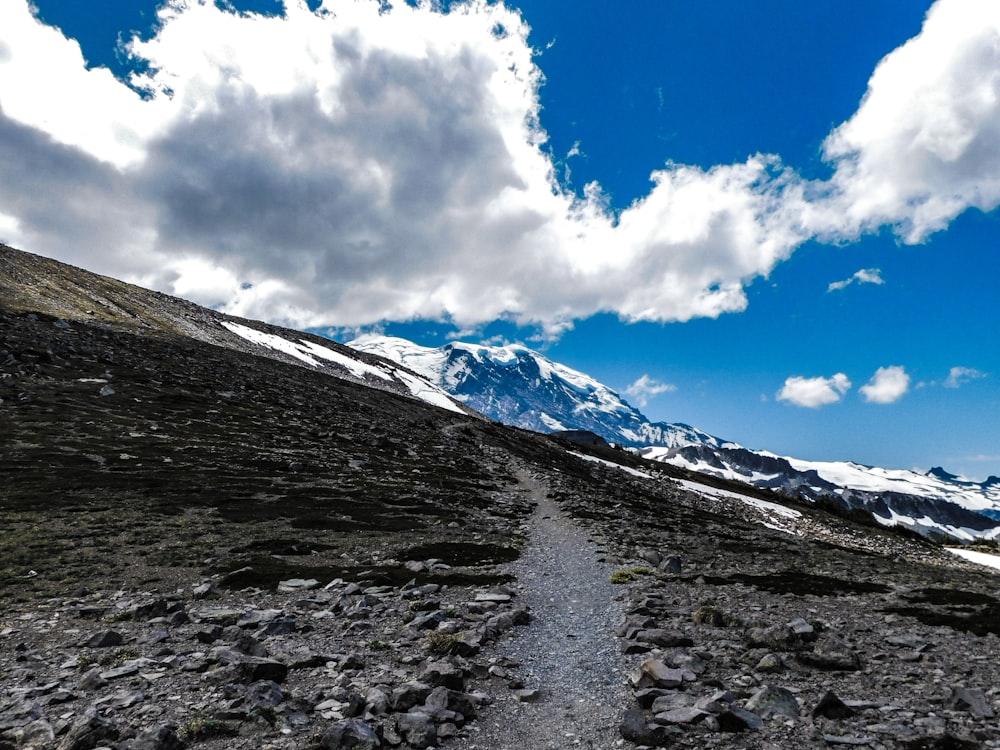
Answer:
(519, 386)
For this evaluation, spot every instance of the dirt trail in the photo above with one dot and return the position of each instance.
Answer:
(569, 652)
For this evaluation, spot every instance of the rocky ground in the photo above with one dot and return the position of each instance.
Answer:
(200, 547)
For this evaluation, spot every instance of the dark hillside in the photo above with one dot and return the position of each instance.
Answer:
(205, 544)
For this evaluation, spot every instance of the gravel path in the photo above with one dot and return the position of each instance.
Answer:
(569, 652)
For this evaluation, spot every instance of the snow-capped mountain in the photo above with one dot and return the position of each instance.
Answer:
(518, 386)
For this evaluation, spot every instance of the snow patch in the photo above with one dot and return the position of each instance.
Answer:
(311, 353)
(980, 558)
(613, 465)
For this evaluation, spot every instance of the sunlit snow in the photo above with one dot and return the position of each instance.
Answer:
(980, 558)
(775, 515)
(311, 352)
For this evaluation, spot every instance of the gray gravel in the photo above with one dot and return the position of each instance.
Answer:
(569, 652)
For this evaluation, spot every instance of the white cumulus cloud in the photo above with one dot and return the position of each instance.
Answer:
(814, 392)
(645, 388)
(887, 385)
(924, 144)
(348, 166)
(864, 276)
(959, 376)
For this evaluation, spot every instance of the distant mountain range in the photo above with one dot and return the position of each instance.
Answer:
(518, 386)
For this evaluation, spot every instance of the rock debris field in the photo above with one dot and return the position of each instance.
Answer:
(206, 546)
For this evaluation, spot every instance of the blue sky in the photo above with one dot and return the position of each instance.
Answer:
(351, 170)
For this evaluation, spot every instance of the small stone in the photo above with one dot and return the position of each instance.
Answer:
(493, 596)
(770, 700)
(38, 733)
(687, 715)
(654, 673)
(157, 738)
(831, 707)
(770, 663)
(738, 720)
(670, 701)
(418, 729)
(105, 639)
(297, 584)
(218, 615)
(802, 630)
(92, 680)
(664, 638)
(832, 739)
(443, 673)
(528, 695)
(206, 590)
(89, 731)
(973, 701)
(831, 653)
(125, 670)
(635, 728)
(264, 694)
(650, 556)
(671, 565)
(451, 700)
(350, 733)
(409, 694)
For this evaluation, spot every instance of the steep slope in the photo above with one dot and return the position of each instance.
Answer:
(34, 284)
(227, 547)
(518, 386)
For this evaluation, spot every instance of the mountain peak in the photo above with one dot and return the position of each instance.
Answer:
(939, 473)
(520, 386)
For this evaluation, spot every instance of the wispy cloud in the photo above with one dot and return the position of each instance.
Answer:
(645, 388)
(813, 393)
(887, 385)
(959, 376)
(344, 168)
(864, 276)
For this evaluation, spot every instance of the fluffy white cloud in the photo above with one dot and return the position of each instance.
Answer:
(346, 166)
(888, 385)
(645, 388)
(959, 376)
(814, 392)
(925, 143)
(864, 276)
